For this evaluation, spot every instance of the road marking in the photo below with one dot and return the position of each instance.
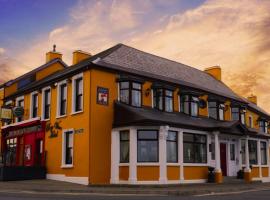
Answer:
(228, 193)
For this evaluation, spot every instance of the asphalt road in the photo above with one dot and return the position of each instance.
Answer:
(261, 195)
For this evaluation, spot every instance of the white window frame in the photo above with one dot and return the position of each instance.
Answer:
(17, 104)
(74, 78)
(64, 165)
(43, 103)
(59, 84)
(31, 103)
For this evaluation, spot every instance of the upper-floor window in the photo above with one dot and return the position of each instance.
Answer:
(46, 103)
(34, 105)
(77, 96)
(216, 110)
(238, 114)
(62, 99)
(20, 103)
(163, 99)
(131, 93)
(189, 105)
(263, 126)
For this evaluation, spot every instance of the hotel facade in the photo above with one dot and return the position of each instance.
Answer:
(124, 116)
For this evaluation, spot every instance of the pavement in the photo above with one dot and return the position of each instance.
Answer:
(63, 188)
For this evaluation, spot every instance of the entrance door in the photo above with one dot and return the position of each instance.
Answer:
(223, 158)
(38, 152)
(232, 162)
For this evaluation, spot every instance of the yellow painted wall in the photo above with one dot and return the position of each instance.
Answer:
(204, 111)
(123, 173)
(146, 93)
(173, 172)
(264, 171)
(255, 118)
(175, 100)
(227, 114)
(255, 172)
(49, 70)
(10, 89)
(191, 173)
(100, 134)
(147, 173)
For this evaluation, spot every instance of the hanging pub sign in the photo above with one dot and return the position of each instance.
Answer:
(18, 111)
(5, 114)
(102, 96)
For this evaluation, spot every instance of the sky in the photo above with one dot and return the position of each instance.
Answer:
(200, 33)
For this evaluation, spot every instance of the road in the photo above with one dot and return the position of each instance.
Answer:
(262, 195)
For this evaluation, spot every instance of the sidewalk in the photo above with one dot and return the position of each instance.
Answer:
(57, 187)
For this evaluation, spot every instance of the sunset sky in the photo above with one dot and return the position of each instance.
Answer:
(234, 34)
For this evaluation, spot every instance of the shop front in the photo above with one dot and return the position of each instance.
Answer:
(23, 155)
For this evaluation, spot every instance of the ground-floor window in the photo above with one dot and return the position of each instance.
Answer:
(263, 153)
(147, 146)
(11, 151)
(195, 148)
(172, 147)
(124, 146)
(232, 152)
(68, 148)
(252, 146)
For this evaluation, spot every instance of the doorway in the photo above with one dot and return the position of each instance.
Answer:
(223, 158)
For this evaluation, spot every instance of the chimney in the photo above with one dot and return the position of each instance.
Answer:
(214, 71)
(253, 98)
(53, 54)
(79, 55)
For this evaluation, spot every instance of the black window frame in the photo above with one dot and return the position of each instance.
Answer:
(20, 103)
(162, 93)
(241, 113)
(220, 106)
(263, 148)
(47, 103)
(153, 140)
(34, 105)
(130, 90)
(263, 126)
(124, 142)
(194, 143)
(78, 96)
(253, 149)
(190, 101)
(69, 150)
(63, 100)
(176, 144)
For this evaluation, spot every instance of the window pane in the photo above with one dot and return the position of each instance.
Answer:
(235, 113)
(263, 153)
(124, 96)
(147, 146)
(136, 86)
(252, 152)
(169, 93)
(124, 85)
(172, 151)
(124, 146)
(212, 109)
(168, 104)
(194, 109)
(243, 150)
(136, 98)
(232, 152)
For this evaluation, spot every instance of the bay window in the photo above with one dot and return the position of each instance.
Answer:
(172, 147)
(131, 93)
(124, 146)
(189, 105)
(216, 110)
(263, 153)
(238, 114)
(163, 99)
(147, 146)
(195, 148)
(263, 126)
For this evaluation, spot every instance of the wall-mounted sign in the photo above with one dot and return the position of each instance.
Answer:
(5, 113)
(102, 96)
(77, 131)
(18, 111)
(53, 128)
(21, 131)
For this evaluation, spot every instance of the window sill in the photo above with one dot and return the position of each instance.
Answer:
(61, 116)
(78, 112)
(195, 164)
(148, 164)
(123, 164)
(173, 164)
(45, 120)
(66, 166)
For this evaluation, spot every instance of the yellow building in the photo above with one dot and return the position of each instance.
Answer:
(126, 116)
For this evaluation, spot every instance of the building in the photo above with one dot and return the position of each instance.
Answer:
(126, 116)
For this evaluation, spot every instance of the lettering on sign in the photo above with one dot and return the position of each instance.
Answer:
(53, 128)
(77, 131)
(102, 96)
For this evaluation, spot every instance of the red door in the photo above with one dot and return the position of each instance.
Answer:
(223, 159)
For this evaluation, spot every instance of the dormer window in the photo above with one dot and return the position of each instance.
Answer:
(216, 110)
(238, 114)
(131, 93)
(263, 126)
(163, 99)
(189, 105)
